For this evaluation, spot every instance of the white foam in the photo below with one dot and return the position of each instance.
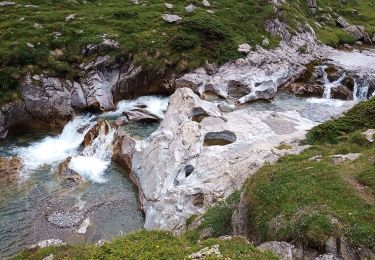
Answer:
(156, 105)
(90, 168)
(53, 149)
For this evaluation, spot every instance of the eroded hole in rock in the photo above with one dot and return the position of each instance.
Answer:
(219, 138)
(198, 200)
(237, 90)
(188, 170)
(198, 114)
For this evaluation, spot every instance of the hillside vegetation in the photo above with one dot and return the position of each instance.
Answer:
(308, 198)
(32, 30)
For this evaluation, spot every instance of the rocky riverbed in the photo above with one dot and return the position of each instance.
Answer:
(220, 126)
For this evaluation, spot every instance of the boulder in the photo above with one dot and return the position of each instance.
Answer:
(190, 8)
(266, 90)
(369, 135)
(69, 177)
(244, 48)
(342, 92)
(7, 4)
(48, 100)
(357, 31)
(313, 6)
(341, 158)
(342, 22)
(328, 256)
(123, 151)
(169, 191)
(171, 18)
(101, 128)
(283, 250)
(206, 3)
(304, 89)
(70, 17)
(141, 115)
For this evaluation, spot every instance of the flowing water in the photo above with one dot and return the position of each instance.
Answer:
(38, 207)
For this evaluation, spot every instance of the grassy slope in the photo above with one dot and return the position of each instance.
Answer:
(149, 245)
(307, 201)
(139, 29)
(359, 12)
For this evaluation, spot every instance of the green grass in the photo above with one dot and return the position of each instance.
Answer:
(359, 12)
(360, 117)
(306, 201)
(149, 245)
(139, 29)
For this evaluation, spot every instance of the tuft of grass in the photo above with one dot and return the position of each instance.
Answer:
(149, 245)
(218, 217)
(284, 147)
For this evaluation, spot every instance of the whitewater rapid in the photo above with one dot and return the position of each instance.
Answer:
(90, 162)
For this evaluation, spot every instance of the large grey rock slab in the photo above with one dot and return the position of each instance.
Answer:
(169, 194)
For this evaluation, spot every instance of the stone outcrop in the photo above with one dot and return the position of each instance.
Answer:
(178, 175)
(104, 82)
(261, 71)
(69, 177)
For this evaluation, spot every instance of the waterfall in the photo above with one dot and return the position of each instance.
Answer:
(329, 85)
(51, 150)
(156, 105)
(95, 158)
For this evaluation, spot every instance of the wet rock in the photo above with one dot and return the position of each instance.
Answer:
(237, 90)
(9, 168)
(198, 114)
(219, 138)
(69, 177)
(341, 92)
(122, 120)
(212, 251)
(48, 100)
(171, 18)
(341, 158)
(101, 128)
(123, 151)
(66, 219)
(303, 89)
(141, 115)
(266, 90)
(188, 169)
(244, 48)
(370, 135)
(168, 197)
